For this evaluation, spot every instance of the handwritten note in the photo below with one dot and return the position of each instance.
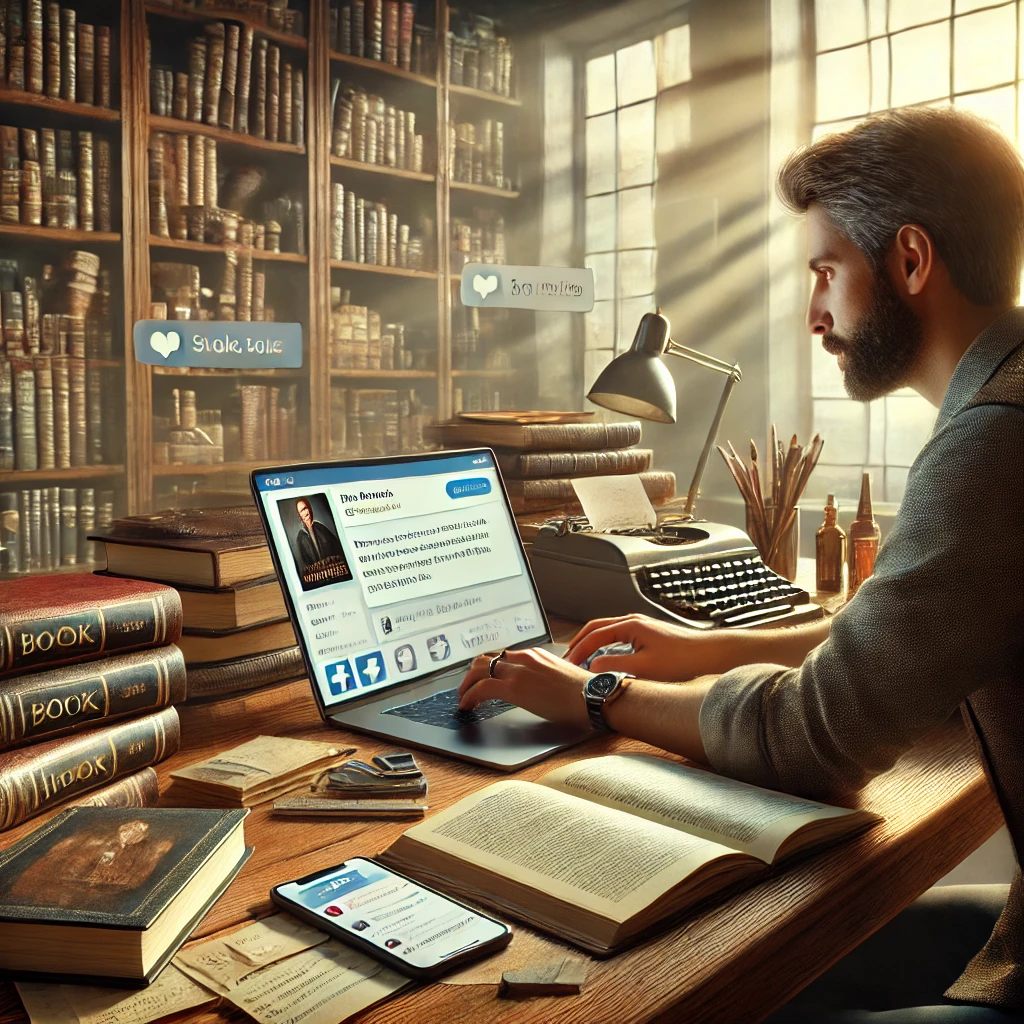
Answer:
(172, 993)
(615, 502)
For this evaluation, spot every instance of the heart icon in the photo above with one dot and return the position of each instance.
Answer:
(483, 286)
(165, 344)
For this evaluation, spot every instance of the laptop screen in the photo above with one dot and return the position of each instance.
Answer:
(397, 568)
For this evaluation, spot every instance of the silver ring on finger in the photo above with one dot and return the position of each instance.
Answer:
(494, 661)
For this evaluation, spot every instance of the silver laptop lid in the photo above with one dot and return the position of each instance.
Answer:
(396, 568)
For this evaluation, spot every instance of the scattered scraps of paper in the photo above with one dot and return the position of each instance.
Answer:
(171, 993)
(615, 502)
(221, 964)
(562, 977)
(525, 949)
(324, 985)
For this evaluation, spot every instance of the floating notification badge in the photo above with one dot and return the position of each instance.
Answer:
(570, 289)
(219, 344)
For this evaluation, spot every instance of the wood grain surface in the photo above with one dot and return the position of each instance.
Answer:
(736, 960)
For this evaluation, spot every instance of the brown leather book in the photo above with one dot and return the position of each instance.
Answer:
(221, 679)
(34, 779)
(216, 645)
(44, 705)
(141, 789)
(543, 465)
(541, 495)
(537, 437)
(86, 617)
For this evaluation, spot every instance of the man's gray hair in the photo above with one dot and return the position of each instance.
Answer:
(947, 170)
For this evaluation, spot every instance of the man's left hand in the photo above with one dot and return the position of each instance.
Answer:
(533, 679)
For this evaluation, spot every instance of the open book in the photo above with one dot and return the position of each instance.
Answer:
(600, 851)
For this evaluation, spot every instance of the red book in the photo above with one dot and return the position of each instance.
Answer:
(45, 623)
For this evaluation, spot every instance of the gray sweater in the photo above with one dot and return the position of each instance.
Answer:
(939, 624)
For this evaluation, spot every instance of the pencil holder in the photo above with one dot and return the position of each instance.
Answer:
(783, 559)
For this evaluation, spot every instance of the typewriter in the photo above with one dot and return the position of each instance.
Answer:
(699, 574)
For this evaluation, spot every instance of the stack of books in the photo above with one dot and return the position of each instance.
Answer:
(383, 30)
(539, 461)
(366, 128)
(89, 676)
(367, 422)
(236, 634)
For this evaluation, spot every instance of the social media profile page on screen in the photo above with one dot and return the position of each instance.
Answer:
(403, 575)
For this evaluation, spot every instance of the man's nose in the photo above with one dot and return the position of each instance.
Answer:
(819, 320)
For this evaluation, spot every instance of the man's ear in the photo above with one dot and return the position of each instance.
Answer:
(913, 258)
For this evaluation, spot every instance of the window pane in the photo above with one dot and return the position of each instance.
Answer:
(876, 431)
(599, 326)
(984, 49)
(880, 75)
(630, 311)
(844, 426)
(909, 423)
(603, 266)
(843, 84)
(826, 380)
(673, 51)
(601, 84)
(842, 481)
(636, 145)
(961, 6)
(601, 154)
(594, 362)
(905, 13)
(920, 64)
(876, 17)
(636, 218)
(672, 112)
(997, 105)
(600, 228)
(634, 69)
(636, 272)
(839, 23)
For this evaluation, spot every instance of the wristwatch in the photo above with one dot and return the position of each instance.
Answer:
(601, 689)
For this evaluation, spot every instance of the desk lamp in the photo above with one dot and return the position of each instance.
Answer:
(638, 383)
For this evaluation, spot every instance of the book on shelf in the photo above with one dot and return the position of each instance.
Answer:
(200, 647)
(220, 679)
(554, 437)
(116, 889)
(54, 702)
(540, 465)
(254, 772)
(602, 851)
(36, 778)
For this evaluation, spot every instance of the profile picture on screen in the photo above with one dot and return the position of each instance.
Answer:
(313, 539)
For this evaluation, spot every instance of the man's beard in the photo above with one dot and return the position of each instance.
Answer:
(880, 352)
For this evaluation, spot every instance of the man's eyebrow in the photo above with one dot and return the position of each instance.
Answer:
(815, 261)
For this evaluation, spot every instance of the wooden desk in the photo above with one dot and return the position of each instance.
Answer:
(736, 961)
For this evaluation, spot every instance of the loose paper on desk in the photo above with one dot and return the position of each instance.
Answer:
(615, 502)
(171, 993)
(325, 985)
(221, 964)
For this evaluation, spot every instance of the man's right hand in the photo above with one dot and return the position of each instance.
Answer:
(661, 650)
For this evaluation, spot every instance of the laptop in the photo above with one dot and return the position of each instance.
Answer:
(397, 572)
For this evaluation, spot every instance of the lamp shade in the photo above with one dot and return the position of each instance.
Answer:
(638, 383)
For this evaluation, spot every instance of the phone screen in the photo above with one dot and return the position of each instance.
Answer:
(393, 913)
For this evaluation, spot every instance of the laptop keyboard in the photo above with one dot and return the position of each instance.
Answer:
(442, 709)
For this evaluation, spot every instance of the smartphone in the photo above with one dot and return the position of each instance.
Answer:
(404, 924)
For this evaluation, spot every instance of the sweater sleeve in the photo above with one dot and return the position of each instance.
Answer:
(942, 615)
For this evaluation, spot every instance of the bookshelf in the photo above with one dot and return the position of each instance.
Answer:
(350, 397)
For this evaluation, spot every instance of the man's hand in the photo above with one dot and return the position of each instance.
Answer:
(660, 649)
(533, 679)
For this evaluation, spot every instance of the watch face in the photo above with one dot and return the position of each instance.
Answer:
(602, 685)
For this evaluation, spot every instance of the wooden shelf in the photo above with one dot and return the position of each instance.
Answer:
(28, 476)
(220, 467)
(483, 190)
(393, 172)
(208, 14)
(19, 98)
(372, 268)
(488, 374)
(382, 68)
(41, 234)
(481, 94)
(156, 242)
(157, 122)
(215, 373)
(350, 374)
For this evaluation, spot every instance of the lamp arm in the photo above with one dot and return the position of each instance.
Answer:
(703, 359)
(691, 495)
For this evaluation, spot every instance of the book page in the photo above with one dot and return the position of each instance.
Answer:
(595, 857)
(744, 817)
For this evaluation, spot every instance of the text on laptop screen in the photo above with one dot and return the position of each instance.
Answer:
(399, 569)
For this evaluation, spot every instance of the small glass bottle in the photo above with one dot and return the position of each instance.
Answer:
(864, 539)
(830, 551)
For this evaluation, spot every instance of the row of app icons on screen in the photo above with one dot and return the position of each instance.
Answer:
(371, 669)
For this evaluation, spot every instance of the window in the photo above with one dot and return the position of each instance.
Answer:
(623, 90)
(874, 55)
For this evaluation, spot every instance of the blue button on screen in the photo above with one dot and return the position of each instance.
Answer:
(468, 488)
